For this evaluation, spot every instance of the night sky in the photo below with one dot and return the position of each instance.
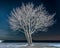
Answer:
(6, 6)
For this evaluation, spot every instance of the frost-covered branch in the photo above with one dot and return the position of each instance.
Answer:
(29, 18)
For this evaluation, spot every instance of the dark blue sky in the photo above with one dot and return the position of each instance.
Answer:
(7, 5)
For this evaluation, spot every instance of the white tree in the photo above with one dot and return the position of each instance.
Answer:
(30, 19)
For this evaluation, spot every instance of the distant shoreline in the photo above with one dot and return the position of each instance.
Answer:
(37, 41)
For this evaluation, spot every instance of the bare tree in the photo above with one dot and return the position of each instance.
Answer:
(30, 19)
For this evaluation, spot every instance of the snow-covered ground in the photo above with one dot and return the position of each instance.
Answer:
(22, 45)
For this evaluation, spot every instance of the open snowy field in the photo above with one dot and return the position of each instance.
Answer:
(22, 45)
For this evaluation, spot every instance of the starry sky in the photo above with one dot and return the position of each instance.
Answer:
(6, 6)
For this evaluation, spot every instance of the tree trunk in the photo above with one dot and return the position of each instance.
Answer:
(29, 38)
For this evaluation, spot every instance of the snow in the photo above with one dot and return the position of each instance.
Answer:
(22, 45)
(1, 41)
